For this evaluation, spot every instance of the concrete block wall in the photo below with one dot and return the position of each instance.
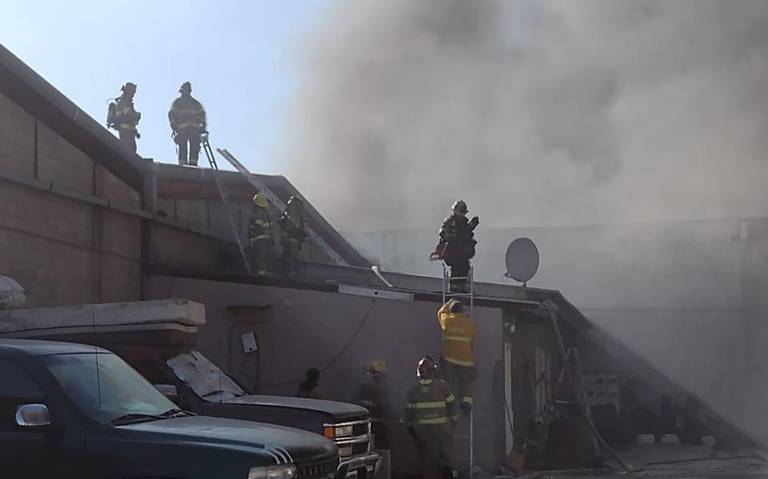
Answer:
(29, 149)
(183, 249)
(65, 251)
(17, 139)
(62, 163)
(210, 215)
(109, 187)
(61, 249)
(337, 333)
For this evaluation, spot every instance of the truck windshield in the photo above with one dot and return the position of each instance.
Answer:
(106, 389)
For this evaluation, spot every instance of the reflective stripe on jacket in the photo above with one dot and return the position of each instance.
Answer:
(186, 112)
(430, 402)
(260, 226)
(458, 331)
(292, 228)
(124, 115)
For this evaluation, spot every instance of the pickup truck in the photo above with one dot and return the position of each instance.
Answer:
(202, 387)
(70, 410)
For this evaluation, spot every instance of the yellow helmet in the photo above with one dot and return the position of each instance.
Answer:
(376, 366)
(260, 200)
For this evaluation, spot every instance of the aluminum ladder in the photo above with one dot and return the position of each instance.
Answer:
(225, 200)
(446, 293)
(315, 238)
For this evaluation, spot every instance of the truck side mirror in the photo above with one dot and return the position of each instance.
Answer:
(168, 390)
(33, 415)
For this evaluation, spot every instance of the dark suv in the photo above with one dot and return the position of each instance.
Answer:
(69, 410)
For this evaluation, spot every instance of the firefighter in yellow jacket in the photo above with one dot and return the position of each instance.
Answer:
(430, 414)
(260, 239)
(457, 365)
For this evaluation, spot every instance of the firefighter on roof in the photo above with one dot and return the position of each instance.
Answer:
(430, 417)
(187, 118)
(124, 118)
(457, 244)
(260, 240)
(292, 233)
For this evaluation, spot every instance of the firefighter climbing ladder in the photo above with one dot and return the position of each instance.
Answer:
(471, 296)
(224, 199)
(316, 239)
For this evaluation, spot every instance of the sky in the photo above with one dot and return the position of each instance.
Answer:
(242, 58)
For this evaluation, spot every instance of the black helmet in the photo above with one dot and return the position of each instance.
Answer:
(460, 207)
(426, 367)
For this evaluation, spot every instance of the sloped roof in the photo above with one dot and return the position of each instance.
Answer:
(175, 181)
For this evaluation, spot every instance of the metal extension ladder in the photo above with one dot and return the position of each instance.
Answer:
(315, 238)
(225, 200)
(471, 296)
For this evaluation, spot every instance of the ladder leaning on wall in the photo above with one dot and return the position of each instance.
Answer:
(225, 200)
(469, 296)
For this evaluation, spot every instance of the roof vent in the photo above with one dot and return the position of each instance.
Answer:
(11, 293)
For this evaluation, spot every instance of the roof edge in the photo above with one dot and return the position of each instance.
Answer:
(43, 101)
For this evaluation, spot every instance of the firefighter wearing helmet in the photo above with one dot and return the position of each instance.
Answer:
(456, 245)
(457, 363)
(372, 395)
(292, 234)
(430, 415)
(188, 124)
(123, 117)
(260, 240)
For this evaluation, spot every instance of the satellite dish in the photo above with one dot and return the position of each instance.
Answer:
(522, 260)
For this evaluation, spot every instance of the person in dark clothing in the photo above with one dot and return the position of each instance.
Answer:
(292, 233)
(430, 416)
(372, 395)
(457, 245)
(310, 388)
(123, 117)
(188, 123)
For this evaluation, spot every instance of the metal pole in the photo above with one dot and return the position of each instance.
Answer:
(472, 411)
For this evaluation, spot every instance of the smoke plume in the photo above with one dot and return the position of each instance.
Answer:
(562, 112)
(535, 112)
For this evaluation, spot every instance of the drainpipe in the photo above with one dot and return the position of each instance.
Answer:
(149, 188)
(148, 204)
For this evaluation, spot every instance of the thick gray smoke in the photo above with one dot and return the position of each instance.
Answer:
(535, 112)
(561, 112)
